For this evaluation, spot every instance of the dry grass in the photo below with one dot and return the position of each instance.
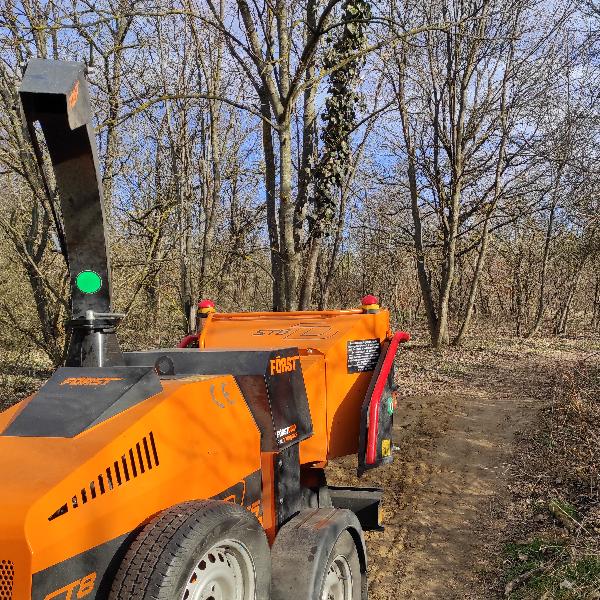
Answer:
(555, 514)
(22, 371)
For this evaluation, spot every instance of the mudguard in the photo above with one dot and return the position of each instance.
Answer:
(377, 418)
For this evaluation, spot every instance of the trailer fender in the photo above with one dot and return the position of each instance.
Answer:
(302, 548)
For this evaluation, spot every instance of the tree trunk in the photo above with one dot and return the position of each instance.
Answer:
(541, 303)
(113, 74)
(422, 273)
(331, 263)
(310, 272)
(442, 332)
(500, 164)
(595, 321)
(474, 282)
(309, 142)
(278, 301)
(517, 290)
(564, 311)
(286, 216)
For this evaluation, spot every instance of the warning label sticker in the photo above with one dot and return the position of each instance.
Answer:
(362, 355)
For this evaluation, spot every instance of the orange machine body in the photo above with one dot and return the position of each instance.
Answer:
(335, 394)
(62, 498)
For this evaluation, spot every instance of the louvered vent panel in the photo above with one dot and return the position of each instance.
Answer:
(7, 576)
(136, 461)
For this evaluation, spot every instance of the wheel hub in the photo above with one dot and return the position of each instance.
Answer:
(225, 572)
(338, 580)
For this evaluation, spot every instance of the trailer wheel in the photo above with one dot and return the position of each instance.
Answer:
(197, 551)
(341, 575)
(319, 555)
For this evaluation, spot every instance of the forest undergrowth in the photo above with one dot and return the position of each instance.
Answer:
(554, 518)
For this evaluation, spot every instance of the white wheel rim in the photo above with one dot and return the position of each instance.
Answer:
(338, 580)
(225, 572)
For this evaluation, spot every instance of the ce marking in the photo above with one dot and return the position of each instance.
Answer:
(224, 393)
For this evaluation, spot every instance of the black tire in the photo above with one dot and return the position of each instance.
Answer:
(315, 553)
(167, 552)
(345, 552)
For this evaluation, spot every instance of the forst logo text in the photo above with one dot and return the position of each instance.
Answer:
(287, 434)
(284, 364)
(89, 381)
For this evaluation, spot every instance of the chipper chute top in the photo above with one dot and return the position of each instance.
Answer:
(190, 473)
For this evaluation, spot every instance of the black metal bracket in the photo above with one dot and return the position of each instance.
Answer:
(365, 503)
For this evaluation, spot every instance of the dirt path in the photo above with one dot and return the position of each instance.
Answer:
(448, 489)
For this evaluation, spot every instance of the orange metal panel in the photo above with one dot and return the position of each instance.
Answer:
(269, 521)
(314, 449)
(206, 441)
(346, 391)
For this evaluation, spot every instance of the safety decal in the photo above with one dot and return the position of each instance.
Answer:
(386, 447)
(287, 434)
(363, 355)
(72, 100)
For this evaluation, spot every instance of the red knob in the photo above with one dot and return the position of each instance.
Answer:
(369, 300)
(206, 304)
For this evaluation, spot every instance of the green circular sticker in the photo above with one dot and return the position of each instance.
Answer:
(88, 282)
(390, 405)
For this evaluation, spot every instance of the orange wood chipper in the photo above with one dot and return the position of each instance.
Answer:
(190, 473)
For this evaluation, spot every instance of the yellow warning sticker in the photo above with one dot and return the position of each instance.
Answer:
(386, 447)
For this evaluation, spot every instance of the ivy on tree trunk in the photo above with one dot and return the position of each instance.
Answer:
(344, 59)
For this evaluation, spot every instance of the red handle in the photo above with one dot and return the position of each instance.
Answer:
(187, 340)
(375, 404)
